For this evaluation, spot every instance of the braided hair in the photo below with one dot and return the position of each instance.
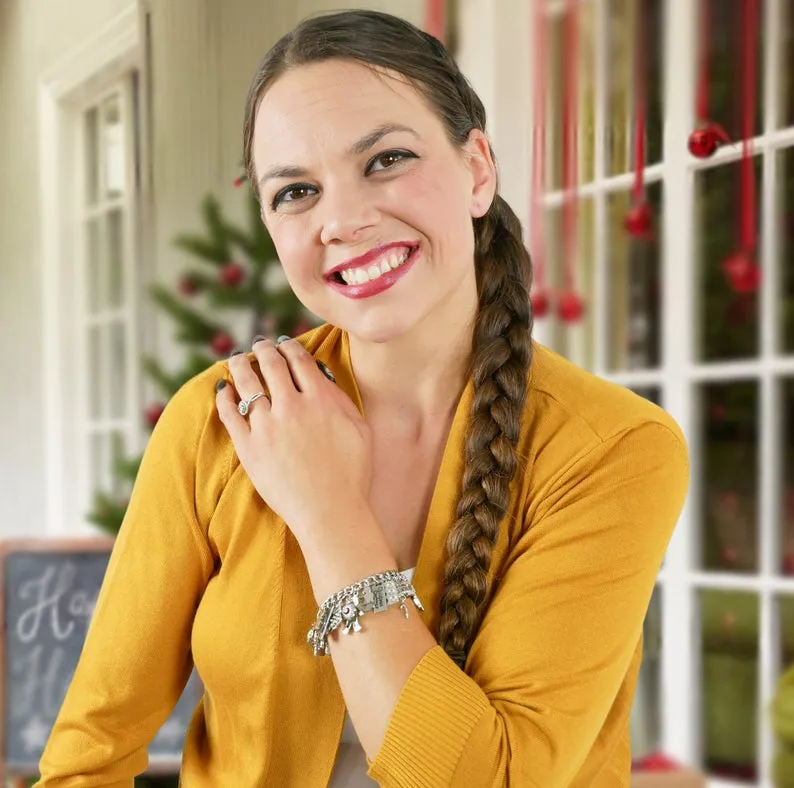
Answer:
(501, 341)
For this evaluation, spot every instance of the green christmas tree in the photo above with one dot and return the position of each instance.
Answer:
(233, 274)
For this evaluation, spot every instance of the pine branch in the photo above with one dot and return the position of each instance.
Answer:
(194, 327)
(168, 384)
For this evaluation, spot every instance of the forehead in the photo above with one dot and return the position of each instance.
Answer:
(331, 104)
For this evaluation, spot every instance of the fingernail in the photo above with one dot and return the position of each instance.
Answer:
(327, 372)
(219, 385)
(235, 353)
(257, 338)
(282, 338)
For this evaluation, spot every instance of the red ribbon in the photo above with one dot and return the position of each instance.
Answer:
(540, 81)
(639, 102)
(702, 100)
(570, 106)
(749, 52)
(436, 19)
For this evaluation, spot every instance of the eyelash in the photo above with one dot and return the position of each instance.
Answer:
(401, 155)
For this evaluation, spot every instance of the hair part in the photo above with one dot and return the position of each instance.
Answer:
(501, 340)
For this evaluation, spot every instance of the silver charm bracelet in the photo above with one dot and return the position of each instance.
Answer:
(375, 593)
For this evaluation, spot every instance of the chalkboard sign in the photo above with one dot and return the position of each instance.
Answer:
(48, 591)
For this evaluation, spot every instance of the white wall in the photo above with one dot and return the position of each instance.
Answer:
(34, 36)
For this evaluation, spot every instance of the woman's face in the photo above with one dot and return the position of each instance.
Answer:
(355, 170)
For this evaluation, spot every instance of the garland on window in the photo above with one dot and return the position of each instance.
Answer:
(740, 269)
(540, 295)
(436, 19)
(708, 136)
(639, 220)
(570, 307)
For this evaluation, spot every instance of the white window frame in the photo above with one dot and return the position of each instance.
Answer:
(64, 91)
(494, 53)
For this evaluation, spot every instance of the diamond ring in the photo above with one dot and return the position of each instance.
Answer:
(245, 405)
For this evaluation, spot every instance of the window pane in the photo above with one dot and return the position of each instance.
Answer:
(115, 259)
(786, 94)
(785, 238)
(113, 142)
(117, 454)
(620, 81)
(727, 321)
(785, 431)
(646, 712)
(729, 424)
(117, 369)
(98, 460)
(726, 27)
(729, 638)
(95, 266)
(623, 30)
(633, 277)
(652, 393)
(91, 154)
(94, 365)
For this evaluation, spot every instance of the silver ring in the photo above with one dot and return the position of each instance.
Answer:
(245, 405)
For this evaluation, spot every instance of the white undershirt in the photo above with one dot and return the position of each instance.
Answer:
(350, 768)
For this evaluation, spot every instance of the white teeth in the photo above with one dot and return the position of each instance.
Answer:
(357, 276)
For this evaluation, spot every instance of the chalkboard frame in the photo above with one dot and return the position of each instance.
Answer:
(159, 765)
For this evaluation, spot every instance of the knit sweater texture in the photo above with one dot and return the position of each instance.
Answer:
(203, 573)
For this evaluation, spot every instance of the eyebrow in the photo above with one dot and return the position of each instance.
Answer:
(356, 149)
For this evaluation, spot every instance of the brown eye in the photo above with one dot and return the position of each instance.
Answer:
(388, 159)
(292, 194)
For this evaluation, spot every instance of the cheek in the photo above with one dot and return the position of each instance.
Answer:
(293, 241)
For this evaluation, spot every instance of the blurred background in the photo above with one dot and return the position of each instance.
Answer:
(647, 144)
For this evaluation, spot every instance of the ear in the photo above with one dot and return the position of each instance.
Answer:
(482, 170)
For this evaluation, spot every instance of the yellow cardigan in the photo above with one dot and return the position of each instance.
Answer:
(203, 571)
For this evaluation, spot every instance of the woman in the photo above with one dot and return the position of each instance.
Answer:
(523, 503)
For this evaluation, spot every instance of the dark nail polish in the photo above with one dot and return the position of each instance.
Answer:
(219, 385)
(327, 372)
(235, 353)
(282, 338)
(257, 338)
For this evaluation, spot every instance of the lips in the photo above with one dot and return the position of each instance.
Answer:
(365, 260)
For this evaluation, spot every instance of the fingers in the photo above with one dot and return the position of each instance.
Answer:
(226, 403)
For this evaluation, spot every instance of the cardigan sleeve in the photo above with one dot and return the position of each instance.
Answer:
(560, 634)
(136, 660)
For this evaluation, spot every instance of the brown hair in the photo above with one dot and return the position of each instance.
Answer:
(501, 344)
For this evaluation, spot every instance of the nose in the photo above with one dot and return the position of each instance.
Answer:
(346, 214)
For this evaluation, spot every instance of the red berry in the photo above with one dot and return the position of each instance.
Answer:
(232, 274)
(240, 180)
(153, 412)
(187, 286)
(639, 221)
(222, 344)
(570, 308)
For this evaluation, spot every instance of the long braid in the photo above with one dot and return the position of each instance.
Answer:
(502, 353)
(501, 344)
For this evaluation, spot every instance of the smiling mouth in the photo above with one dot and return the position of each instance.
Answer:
(369, 273)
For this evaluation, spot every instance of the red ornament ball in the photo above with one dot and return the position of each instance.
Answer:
(788, 564)
(729, 556)
(187, 286)
(222, 344)
(153, 413)
(570, 308)
(232, 274)
(704, 141)
(742, 273)
(240, 180)
(540, 303)
(639, 221)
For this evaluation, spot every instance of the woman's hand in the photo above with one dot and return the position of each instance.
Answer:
(306, 448)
